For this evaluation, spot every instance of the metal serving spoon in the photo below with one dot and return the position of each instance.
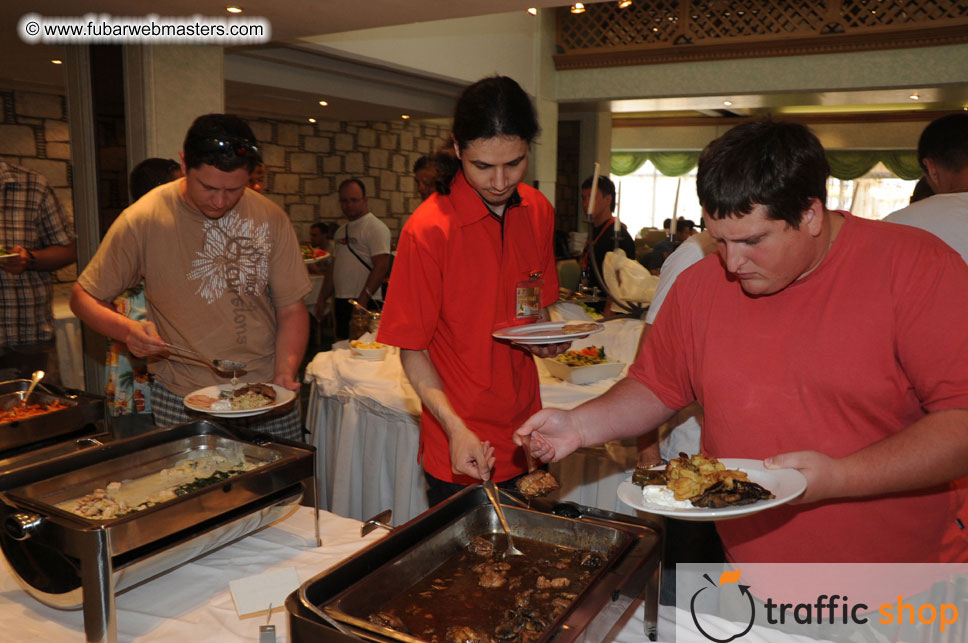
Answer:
(35, 377)
(226, 365)
(492, 495)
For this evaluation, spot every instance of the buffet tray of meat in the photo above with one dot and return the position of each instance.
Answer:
(51, 414)
(443, 577)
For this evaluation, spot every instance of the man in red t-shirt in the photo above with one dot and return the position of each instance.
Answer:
(814, 340)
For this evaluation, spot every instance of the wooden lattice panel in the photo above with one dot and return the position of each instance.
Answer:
(674, 30)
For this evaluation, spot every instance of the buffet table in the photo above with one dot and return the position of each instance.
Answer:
(364, 416)
(193, 602)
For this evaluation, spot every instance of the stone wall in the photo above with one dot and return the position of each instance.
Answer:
(34, 134)
(305, 163)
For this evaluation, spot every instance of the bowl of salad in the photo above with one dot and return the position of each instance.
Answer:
(584, 366)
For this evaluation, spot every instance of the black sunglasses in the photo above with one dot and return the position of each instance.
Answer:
(226, 146)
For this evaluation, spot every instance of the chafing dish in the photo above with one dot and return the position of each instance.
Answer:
(83, 417)
(368, 580)
(68, 561)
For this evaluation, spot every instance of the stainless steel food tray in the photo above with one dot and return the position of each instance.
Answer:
(67, 561)
(350, 591)
(84, 415)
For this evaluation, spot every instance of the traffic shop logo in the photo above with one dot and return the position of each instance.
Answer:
(731, 579)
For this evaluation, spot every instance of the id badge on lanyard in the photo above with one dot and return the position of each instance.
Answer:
(527, 296)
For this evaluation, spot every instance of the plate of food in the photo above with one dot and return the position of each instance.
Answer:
(548, 332)
(374, 351)
(584, 366)
(242, 400)
(6, 255)
(703, 488)
(312, 255)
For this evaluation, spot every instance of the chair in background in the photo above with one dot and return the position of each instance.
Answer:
(569, 274)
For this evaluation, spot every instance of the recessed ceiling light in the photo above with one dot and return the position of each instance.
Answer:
(405, 116)
(323, 103)
(578, 8)
(234, 9)
(622, 4)
(311, 120)
(533, 11)
(914, 96)
(727, 103)
(55, 61)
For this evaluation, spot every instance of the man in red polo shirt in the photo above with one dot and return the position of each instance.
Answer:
(464, 260)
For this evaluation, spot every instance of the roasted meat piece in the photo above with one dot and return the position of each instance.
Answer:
(728, 493)
(466, 634)
(480, 546)
(536, 483)
(388, 619)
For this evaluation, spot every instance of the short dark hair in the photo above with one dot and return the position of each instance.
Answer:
(151, 173)
(223, 141)
(945, 141)
(351, 182)
(685, 224)
(319, 225)
(605, 187)
(777, 164)
(422, 163)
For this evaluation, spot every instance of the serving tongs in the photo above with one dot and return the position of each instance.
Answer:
(225, 365)
(492, 495)
(361, 307)
(35, 377)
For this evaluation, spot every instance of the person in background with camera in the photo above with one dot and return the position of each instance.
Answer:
(361, 259)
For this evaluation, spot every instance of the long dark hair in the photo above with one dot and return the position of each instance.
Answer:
(493, 106)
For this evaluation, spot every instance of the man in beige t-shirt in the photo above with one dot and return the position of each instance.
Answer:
(223, 275)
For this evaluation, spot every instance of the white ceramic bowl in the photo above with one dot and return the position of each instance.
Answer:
(583, 374)
(374, 354)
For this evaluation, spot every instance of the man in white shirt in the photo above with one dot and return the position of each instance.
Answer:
(361, 258)
(943, 154)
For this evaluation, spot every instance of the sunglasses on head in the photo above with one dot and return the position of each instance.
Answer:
(227, 146)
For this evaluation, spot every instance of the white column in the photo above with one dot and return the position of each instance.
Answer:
(165, 88)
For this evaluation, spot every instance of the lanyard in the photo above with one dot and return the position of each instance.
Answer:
(588, 245)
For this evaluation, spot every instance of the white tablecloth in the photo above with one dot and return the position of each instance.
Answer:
(364, 419)
(193, 602)
(70, 351)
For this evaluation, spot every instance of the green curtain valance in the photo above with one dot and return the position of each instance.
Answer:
(668, 163)
(844, 164)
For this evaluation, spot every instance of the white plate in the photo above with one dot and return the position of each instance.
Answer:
(543, 333)
(785, 484)
(8, 257)
(315, 259)
(583, 374)
(283, 396)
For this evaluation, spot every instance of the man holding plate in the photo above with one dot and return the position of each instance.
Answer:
(223, 274)
(816, 341)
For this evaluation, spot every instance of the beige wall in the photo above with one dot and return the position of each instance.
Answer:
(307, 162)
(34, 135)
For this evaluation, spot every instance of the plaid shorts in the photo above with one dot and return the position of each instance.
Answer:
(170, 409)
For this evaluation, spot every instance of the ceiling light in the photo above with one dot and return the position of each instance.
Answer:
(405, 116)
(578, 8)
(323, 103)
(533, 11)
(311, 120)
(622, 4)
(234, 9)
(914, 96)
(727, 103)
(55, 61)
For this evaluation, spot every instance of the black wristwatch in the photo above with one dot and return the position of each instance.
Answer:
(31, 261)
